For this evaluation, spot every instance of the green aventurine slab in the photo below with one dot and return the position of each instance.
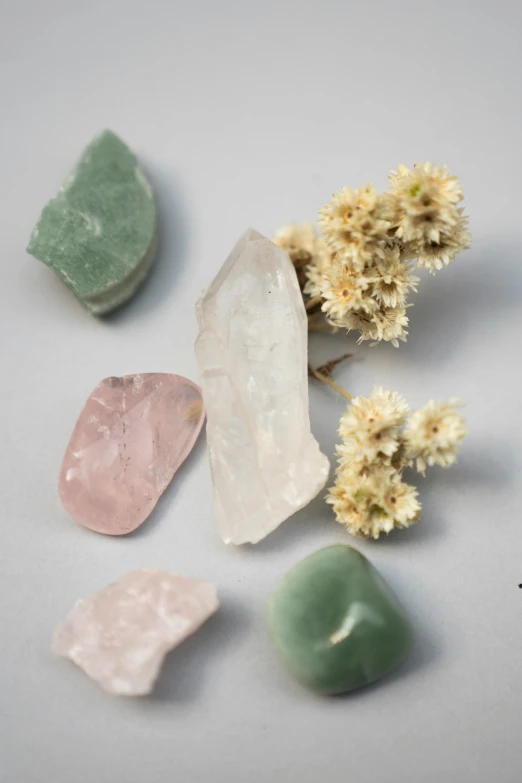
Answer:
(99, 232)
(335, 622)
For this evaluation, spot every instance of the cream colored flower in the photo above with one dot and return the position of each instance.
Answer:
(358, 275)
(358, 321)
(436, 255)
(316, 269)
(447, 185)
(391, 279)
(421, 204)
(370, 427)
(373, 501)
(298, 239)
(433, 433)
(349, 301)
(379, 440)
(387, 324)
(353, 225)
(343, 292)
(305, 248)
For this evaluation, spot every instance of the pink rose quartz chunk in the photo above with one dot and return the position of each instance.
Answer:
(120, 635)
(131, 437)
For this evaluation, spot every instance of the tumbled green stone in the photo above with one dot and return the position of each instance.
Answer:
(336, 623)
(99, 232)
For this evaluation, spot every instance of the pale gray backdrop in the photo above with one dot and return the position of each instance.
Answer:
(252, 114)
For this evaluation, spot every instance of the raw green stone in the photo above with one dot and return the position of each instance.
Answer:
(335, 622)
(99, 232)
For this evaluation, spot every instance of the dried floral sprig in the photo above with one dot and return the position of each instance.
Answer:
(373, 502)
(359, 273)
(380, 438)
(306, 249)
(432, 435)
(354, 226)
(422, 208)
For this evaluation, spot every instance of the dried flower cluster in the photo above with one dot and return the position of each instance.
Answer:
(360, 272)
(307, 251)
(380, 438)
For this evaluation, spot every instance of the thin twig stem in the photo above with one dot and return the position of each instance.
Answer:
(313, 302)
(328, 381)
(321, 327)
(328, 367)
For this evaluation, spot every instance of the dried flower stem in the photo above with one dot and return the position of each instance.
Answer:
(320, 326)
(314, 304)
(329, 382)
(328, 367)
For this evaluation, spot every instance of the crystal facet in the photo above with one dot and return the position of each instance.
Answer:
(336, 623)
(252, 354)
(131, 437)
(120, 635)
(99, 232)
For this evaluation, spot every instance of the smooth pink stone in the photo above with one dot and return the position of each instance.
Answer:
(131, 437)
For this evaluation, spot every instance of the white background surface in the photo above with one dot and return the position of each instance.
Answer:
(252, 114)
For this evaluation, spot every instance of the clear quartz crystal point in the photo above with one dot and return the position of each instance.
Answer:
(252, 351)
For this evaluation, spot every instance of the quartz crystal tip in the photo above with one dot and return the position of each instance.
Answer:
(252, 351)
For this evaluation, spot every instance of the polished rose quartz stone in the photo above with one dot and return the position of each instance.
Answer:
(131, 437)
